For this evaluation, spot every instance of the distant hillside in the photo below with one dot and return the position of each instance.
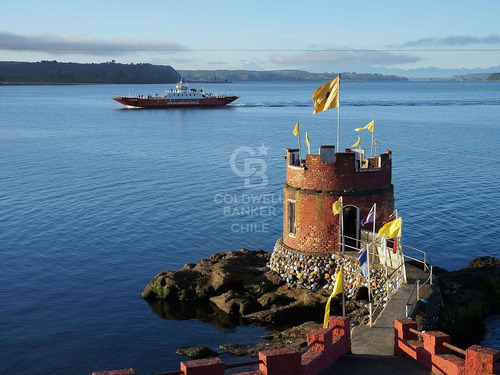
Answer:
(471, 77)
(436, 73)
(111, 72)
(494, 77)
(278, 75)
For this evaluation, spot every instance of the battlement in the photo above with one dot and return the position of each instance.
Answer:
(330, 171)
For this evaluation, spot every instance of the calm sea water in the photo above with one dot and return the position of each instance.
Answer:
(96, 199)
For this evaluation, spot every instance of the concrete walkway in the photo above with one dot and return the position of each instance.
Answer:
(379, 339)
(373, 348)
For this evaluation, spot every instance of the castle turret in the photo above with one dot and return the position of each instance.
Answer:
(314, 185)
(308, 252)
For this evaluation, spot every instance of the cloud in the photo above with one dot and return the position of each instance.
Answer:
(454, 41)
(63, 44)
(379, 58)
(182, 60)
(217, 63)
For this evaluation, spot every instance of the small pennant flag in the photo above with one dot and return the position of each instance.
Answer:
(296, 129)
(308, 144)
(395, 247)
(370, 217)
(337, 207)
(370, 127)
(363, 262)
(391, 229)
(337, 289)
(357, 143)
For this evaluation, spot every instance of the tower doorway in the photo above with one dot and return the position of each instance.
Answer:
(351, 227)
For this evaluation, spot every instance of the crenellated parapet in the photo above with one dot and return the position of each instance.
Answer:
(343, 173)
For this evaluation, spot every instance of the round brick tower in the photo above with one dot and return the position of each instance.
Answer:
(311, 188)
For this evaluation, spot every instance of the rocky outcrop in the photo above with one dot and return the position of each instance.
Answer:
(469, 295)
(295, 338)
(237, 284)
(237, 287)
(241, 270)
(197, 352)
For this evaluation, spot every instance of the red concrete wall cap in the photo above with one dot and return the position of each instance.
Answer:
(123, 371)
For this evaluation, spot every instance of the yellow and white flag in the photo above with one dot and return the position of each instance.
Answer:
(337, 289)
(391, 229)
(337, 206)
(327, 96)
(308, 144)
(296, 129)
(370, 126)
(357, 143)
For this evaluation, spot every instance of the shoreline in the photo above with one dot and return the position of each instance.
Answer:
(419, 80)
(238, 286)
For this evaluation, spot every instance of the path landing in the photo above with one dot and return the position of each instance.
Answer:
(373, 348)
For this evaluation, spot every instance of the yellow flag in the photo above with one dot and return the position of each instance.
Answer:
(308, 144)
(337, 289)
(391, 229)
(357, 143)
(327, 96)
(337, 207)
(370, 126)
(296, 129)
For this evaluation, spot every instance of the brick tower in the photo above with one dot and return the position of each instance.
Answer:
(309, 249)
(311, 189)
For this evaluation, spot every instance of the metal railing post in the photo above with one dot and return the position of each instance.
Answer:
(418, 289)
(371, 313)
(431, 275)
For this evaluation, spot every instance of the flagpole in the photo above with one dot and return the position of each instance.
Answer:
(386, 271)
(368, 264)
(374, 220)
(396, 236)
(300, 157)
(371, 149)
(400, 251)
(338, 120)
(341, 216)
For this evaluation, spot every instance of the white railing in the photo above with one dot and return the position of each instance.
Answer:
(427, 268)
(391, 281)
(397, 276)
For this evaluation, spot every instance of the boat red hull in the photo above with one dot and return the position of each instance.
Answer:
(154, 102)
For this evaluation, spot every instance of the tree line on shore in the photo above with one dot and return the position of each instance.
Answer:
(54, 72)
(110, 72)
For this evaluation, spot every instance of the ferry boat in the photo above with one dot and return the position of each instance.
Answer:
(181, 96)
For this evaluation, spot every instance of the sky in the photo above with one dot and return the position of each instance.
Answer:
(318, 36)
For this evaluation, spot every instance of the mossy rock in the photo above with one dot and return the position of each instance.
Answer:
(468, 326)
(197, 352)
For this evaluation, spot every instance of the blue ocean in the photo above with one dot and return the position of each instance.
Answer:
(95, 199)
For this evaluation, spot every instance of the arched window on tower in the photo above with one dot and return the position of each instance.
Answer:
(291, 218)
